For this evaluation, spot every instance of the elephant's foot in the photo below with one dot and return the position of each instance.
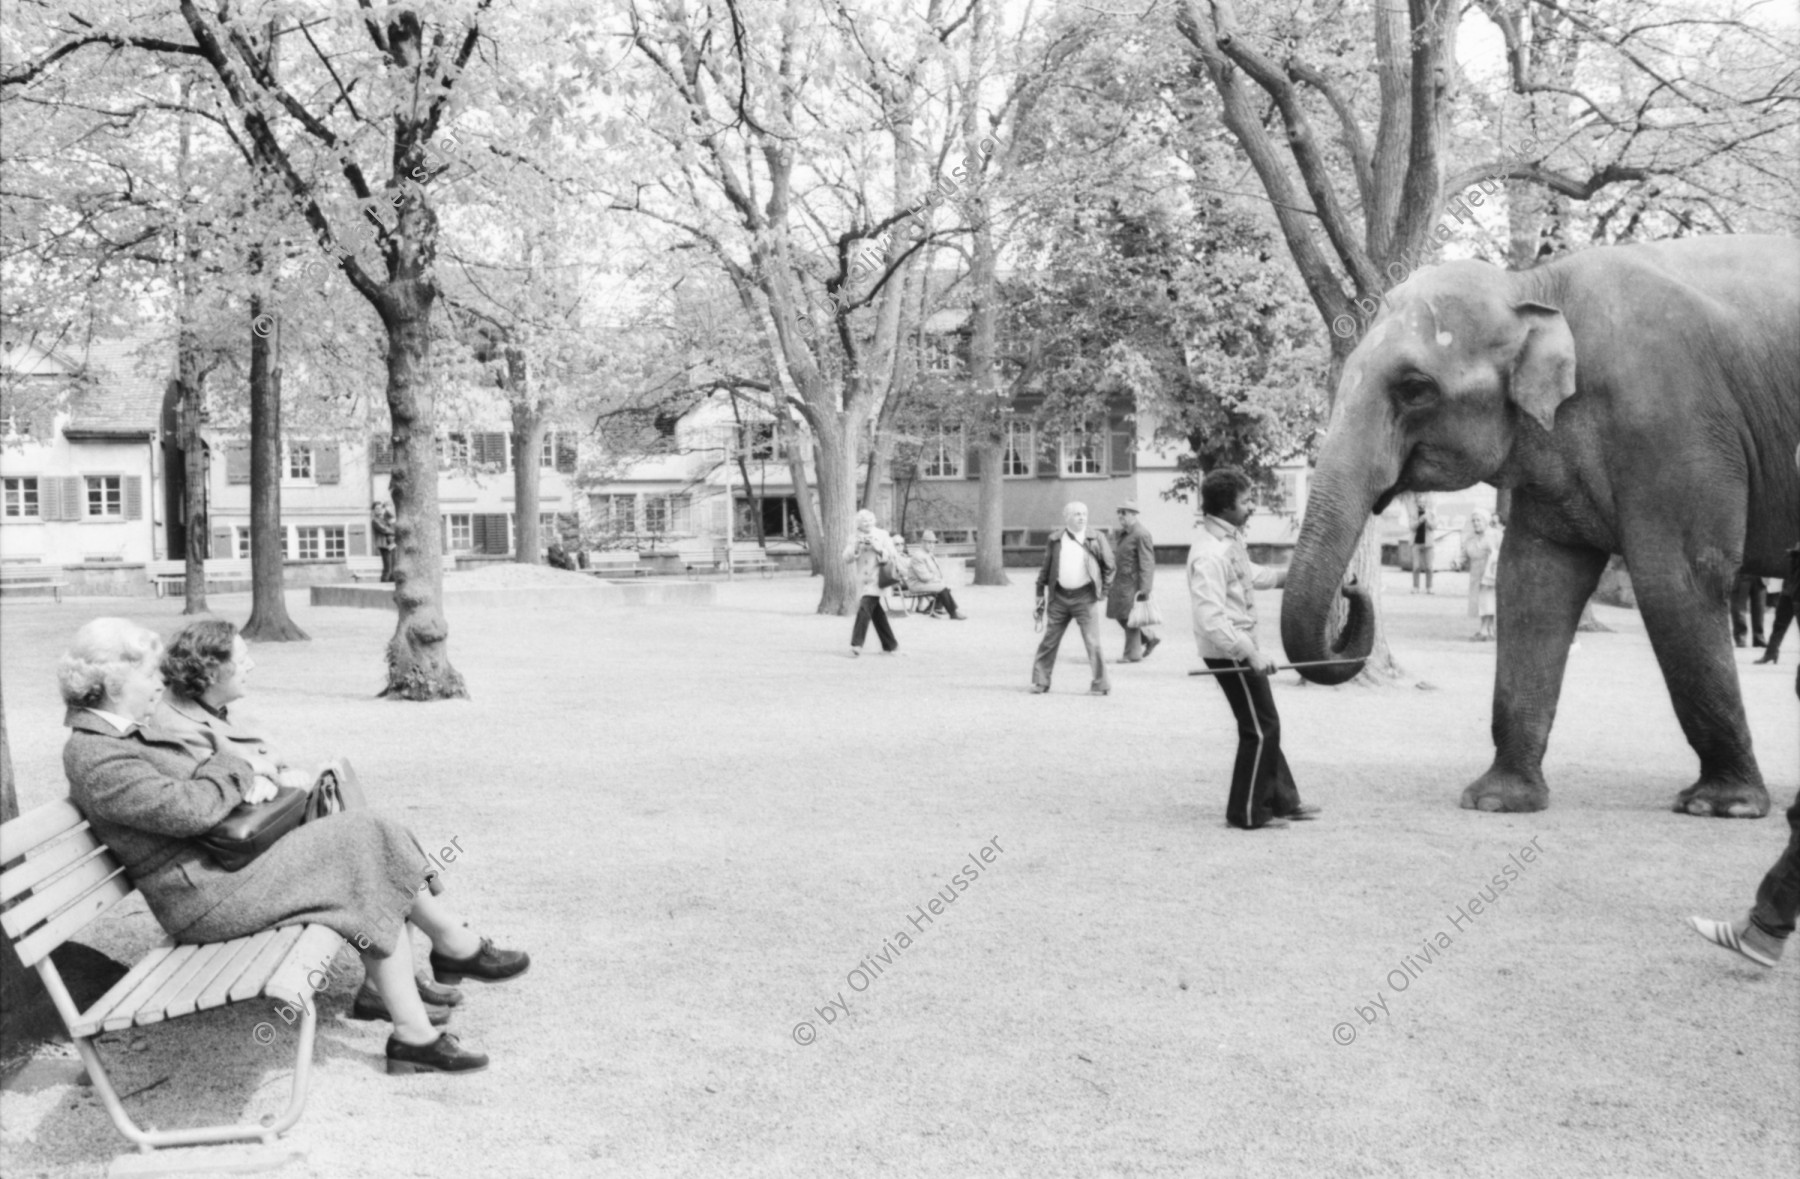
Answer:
(1731, 799)
(1504, 790)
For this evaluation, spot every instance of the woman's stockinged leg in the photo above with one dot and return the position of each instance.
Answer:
(439, 922)
(393, 978)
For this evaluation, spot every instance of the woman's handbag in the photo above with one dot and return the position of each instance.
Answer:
(1144, 617)
(886, 575)
(253, 827)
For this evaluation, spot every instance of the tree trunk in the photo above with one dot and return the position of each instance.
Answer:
(837, 500)
(418, 656)
(193, 464)
(528, 442)
(809, 512)
(990, 517)
(269, 621)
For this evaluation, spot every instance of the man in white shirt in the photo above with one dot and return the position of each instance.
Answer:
(1221, 581)
(1078, 566)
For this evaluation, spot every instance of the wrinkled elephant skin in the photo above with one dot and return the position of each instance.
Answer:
(1640, 399)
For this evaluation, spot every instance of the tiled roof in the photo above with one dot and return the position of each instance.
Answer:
(128, 378)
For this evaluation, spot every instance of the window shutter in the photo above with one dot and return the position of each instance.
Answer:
(1047, 459)
(443, 534)
(491, 448)
(134, 497)
(356, 540)
(325, 462)
(237, 462)
(566, 454)
(74, 497)
(221, 544)
(478, 534)
(1124, 447)
(496, 534)
(972, 462)
(49, 502)
(381, 454)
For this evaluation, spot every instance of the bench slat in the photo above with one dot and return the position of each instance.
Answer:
(250, 983)
(213, 961)
(313, 951)
(157, 1006)
(20, 835)
(53, 896)
(92, 1019)
(45, 864)
(63, 926)
(126, 1009)
(217, 993)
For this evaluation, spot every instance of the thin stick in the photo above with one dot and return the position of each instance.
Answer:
(1278, 666)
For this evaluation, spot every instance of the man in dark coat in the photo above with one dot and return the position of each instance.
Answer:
(381, 524)
(1078, 565)
(1132, 580)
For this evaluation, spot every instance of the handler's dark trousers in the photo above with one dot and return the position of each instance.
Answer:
(1778, 898)
(1066, 606)
(870, 611)
(1748, 597)
(1262, 786)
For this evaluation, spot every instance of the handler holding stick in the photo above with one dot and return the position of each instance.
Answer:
(1221, 579)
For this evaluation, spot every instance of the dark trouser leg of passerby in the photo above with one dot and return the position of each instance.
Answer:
(1134, 644)
(1784, 614)
(945, 602)
(1056, 621)
(867, 611)
(387, 564)
(1778, 898)
(1262, 786)
(1747, 598)
(1085, 608)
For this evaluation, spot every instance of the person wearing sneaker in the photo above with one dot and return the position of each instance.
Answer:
(148, 795)
(1221, 578)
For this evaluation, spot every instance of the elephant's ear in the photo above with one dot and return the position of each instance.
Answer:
(1543, 373)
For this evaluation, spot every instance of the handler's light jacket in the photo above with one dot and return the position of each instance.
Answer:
(1221, 578)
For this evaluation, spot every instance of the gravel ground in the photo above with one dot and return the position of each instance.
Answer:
(709, 825)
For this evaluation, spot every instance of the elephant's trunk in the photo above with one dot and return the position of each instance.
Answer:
(1345, 489)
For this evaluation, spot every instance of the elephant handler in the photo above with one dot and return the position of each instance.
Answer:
(1221, 579)
(1132, 580)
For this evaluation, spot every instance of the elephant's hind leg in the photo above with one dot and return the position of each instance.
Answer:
(1687, 612)
(1541, 587)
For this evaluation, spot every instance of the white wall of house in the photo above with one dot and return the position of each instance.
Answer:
(75, 501)
(476, 505)
(324, 498)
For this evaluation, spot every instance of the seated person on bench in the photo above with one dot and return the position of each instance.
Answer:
(146, 792)
(925, 576)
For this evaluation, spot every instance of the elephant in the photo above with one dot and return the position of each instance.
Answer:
(1635, 399)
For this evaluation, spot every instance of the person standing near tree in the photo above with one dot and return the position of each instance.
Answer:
(1132, 581)
(381, 526)
(1221, 581)
(1078, 564)
(1424, 543)
(1480, 548)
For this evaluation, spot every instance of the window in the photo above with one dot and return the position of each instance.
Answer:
(462, 533)
(453, 450)
(322, 543)
(21, 499)
(1015, 463)
(243, 543)
(299, 461)
(756, 441)
(1083, 451)
(940, 354)
(106, 496)
(614, 513)
(667, 513)
(942, 455)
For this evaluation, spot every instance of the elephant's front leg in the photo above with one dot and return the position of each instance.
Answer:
(1686, 605)
(1542, 587)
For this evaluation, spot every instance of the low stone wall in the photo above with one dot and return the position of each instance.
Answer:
(600, 594)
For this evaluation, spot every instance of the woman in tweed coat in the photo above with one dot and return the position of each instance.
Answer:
(147, 793)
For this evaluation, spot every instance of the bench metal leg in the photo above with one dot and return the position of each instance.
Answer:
(149, 1140)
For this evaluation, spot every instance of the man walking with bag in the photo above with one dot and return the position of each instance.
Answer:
(1220, 582)
(1078, 565)
(1131, 583)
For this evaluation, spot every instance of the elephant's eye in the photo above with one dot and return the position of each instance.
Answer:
(1415, 392)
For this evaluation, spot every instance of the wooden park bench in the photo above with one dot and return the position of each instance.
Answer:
(32, 578)
(59, 877)
(744, 559)
(170, 577)
(615, 563)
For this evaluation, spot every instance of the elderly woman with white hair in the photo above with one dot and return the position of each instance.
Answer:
(148, 797)
(869, 550)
